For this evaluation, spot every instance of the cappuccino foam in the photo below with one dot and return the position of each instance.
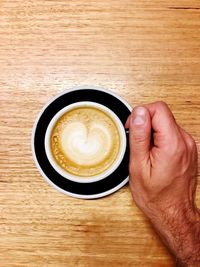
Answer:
(85, 141)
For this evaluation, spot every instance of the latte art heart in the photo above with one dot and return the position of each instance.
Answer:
(85, 141)
(84, 144)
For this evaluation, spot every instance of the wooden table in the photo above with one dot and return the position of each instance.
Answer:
(142, 50)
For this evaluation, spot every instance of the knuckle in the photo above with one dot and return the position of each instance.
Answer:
(192, 140)
(165, 109)
(192, 143)
(162, 104)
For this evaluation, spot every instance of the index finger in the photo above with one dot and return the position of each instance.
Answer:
(163, 123)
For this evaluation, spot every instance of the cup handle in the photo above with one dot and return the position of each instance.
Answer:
(127, 131)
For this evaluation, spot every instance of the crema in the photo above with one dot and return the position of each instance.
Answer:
(85, 141)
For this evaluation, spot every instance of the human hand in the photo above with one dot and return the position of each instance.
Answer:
(163, 168)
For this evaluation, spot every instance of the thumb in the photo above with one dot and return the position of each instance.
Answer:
(140, 136)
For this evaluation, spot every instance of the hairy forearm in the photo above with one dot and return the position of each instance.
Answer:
(181, 234)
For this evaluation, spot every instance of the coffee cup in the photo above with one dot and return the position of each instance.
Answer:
(85, 142)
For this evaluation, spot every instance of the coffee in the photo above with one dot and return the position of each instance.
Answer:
(85, 141)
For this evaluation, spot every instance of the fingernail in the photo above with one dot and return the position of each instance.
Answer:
(139, 116)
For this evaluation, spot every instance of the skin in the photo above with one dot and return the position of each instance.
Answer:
(163, 170)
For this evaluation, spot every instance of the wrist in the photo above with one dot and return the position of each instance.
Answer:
(179, 228)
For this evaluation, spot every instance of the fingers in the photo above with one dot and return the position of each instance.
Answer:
(189, 140)
(139, 136)
(163, 123)
(167, 134)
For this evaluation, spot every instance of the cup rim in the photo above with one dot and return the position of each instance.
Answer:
(99, 176)
(34, 128)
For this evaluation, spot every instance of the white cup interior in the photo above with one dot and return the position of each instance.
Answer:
(102, 175)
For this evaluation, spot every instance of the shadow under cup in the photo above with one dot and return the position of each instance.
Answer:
(122, 142)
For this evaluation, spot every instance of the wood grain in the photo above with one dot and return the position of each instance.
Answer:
(142, 50)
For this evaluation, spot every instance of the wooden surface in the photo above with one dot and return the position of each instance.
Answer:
(142, 50)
